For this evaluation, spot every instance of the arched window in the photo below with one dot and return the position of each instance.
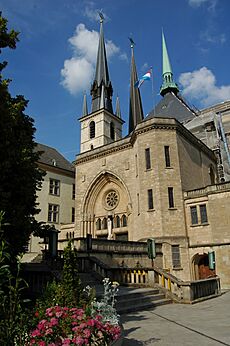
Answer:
(112, 131)
(123, 221)
(98, 224)
(92, 129)
(67, 235)
(117, 221)
(104, 223)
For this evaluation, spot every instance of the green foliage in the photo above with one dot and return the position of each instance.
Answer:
(71, 281)
(68, 292)
(14, 319)
(20, 176)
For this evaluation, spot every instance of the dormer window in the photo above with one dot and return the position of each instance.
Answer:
(92, 129)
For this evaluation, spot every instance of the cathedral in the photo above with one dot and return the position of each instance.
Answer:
(161, 181)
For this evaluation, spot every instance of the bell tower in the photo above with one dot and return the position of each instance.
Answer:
(101, 126)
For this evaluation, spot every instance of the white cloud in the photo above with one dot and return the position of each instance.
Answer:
(210, 36)
(197, 3)
(200, 85)
(78, 71)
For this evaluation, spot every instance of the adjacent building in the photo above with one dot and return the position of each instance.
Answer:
(56, 199)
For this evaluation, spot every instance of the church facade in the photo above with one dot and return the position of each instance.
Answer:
(159, 182)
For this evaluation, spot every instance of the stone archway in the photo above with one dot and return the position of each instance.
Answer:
(106, 205)
(200, 263)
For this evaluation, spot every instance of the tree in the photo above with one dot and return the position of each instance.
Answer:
(19, 173)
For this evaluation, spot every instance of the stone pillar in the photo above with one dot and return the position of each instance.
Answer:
(110, 227)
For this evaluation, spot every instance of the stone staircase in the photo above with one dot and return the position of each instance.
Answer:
(129, 299)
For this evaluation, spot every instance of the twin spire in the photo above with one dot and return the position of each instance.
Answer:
(102, 91)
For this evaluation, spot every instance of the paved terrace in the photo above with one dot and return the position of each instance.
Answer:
(203, 324)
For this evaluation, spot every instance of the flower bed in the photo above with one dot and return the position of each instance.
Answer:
(65, 326)
(96, 324)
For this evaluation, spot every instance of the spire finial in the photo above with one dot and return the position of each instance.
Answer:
(132, 43)
(101, 16)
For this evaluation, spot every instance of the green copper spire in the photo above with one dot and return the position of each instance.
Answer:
(168, 83)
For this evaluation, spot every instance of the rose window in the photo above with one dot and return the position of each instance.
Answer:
(111, 199)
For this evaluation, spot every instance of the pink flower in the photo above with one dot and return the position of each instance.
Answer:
(49, 331)
(42, 324)
(53, 322)
(66, 342)
(49, 312)
(42, 343)
(36, 332)
(87, 333)
(78, 340)
(90, 322)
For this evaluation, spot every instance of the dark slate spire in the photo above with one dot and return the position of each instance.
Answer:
(168, 82)
(85, 107)
(101, 77)
(135, 105)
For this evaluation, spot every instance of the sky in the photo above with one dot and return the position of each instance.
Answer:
(54, 62)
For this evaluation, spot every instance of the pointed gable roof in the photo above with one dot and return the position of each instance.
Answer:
(173, 106)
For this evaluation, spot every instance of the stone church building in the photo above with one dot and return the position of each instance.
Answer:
(160, 181)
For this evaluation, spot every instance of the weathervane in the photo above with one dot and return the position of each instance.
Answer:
(132, 42)
(101, 16)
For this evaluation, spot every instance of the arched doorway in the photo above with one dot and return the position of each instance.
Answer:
(106, 208)
(201, 267)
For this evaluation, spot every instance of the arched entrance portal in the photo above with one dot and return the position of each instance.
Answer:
(201, 267)
(106, 208)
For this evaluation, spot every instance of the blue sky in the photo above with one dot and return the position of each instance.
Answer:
(54, 61)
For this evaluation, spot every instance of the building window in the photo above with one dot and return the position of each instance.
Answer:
(167, 156)
(117, 222)
(170, 197)
(124, 221)
(53, 213)
(73, 215)
(176, 256)
(112, 131)
(55, 187)
(194, 216)
(92, 129)
(147, 158)
(150, 199)
(73, 191)
(203, 214)
(98, 224)
(104, 223)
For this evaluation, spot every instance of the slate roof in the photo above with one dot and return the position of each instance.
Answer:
(172, 106)
(52, 157)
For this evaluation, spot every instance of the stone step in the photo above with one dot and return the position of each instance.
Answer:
(143, 306)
